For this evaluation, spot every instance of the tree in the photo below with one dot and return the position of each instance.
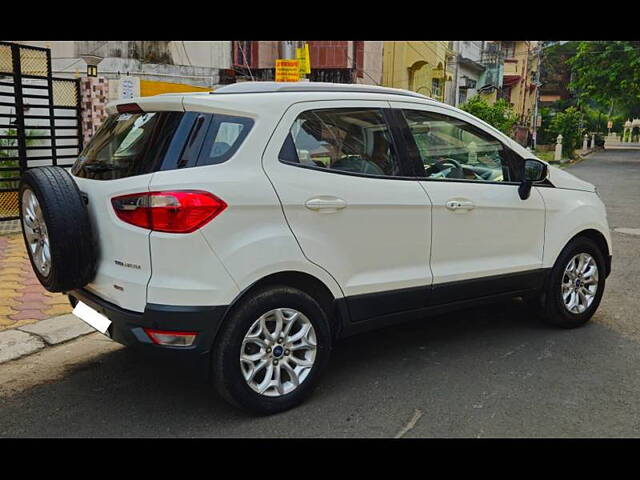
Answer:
(555, 72)
(608, 73)
(567, 124)
(499, 115)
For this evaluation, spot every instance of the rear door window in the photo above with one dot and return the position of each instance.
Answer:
(354, 140)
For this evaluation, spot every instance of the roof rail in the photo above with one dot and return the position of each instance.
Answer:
(265, 87)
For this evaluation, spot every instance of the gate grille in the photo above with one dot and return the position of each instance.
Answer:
(40, 121)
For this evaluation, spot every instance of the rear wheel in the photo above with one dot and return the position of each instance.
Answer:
(575, 285)
(272, 350)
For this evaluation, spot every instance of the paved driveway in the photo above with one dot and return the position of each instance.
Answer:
(492, 371)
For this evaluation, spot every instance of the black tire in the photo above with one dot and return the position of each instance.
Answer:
(550, 305)
(71, 244)
(226, 371)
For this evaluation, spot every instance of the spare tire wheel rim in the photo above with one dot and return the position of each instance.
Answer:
(35, 231)
(278, 352)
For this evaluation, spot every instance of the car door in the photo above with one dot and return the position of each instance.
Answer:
(485, 238)
(350, 203)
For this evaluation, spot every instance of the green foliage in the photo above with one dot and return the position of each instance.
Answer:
(499, 115)
(544, 135)
(555, 70)
(6, 153)
(608, 73)
(567, 124)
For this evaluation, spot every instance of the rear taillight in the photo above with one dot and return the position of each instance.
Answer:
(174, 339)
(181, 211)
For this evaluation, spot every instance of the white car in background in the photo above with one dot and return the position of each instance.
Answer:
(247, 229)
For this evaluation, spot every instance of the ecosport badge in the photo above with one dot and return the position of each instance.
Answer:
(129, 265)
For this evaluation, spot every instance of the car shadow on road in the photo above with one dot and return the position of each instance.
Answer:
(372, 376)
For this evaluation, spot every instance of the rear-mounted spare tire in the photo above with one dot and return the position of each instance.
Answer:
(56, 229)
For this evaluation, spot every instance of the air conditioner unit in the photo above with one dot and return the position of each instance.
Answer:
(466, 82)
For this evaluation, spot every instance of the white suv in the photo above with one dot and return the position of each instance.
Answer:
(247, 229)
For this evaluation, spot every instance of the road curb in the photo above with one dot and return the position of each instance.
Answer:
(15, 344)
(28, 339)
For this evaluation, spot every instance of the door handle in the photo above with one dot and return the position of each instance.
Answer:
(460, 205)
(325, 203)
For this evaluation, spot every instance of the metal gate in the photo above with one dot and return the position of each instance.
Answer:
(40, 120)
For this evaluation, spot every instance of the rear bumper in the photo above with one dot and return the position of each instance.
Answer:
(127, 328)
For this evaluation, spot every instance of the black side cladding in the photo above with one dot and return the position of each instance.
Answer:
(71, 242)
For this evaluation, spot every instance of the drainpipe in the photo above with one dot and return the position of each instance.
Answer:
(526, 77)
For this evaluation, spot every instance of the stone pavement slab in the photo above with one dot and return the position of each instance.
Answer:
(15, 344)
(59, 329)
(23, 300)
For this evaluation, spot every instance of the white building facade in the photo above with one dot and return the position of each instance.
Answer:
(467, 70)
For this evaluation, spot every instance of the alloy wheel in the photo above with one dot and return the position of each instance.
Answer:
(36, 233)
(579, 283)
(278, 352)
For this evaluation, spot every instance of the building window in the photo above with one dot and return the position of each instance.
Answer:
(462, 96)
(509, 49)
(505, 93)
(436, 91)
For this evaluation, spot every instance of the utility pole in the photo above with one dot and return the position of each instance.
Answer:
(537, 84)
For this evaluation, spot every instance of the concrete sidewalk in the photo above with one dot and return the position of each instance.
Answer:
(31, 318)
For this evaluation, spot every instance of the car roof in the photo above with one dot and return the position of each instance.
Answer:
(260, 98)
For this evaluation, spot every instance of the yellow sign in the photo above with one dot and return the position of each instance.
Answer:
(151, 87)
(287, 70)
(307, 58)
(303, 59)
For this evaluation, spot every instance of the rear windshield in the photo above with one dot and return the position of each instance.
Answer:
(129, 144)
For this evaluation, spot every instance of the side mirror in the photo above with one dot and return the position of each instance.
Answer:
(533, 171)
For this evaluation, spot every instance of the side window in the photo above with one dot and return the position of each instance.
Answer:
(453, 149)
(224, 136)
(356, 140)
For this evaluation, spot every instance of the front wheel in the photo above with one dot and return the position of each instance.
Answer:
(575, 285)
(271, 350)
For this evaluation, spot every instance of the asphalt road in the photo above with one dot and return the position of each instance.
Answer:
(487, 372)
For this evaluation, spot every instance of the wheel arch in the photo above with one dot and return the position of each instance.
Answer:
(600, 240)
(302, 281)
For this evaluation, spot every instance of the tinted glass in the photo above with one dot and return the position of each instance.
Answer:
(452, 149)
(129, 144)
(354, 140)
(224, 137)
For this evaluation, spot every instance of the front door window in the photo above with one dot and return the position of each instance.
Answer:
(451, 149)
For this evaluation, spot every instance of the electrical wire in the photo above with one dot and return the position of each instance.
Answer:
(187, 54)
(244, 57)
